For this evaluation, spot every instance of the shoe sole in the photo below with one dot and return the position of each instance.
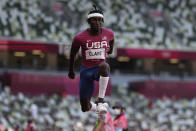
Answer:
(103, 111)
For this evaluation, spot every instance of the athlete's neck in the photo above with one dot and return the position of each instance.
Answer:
(94, 32)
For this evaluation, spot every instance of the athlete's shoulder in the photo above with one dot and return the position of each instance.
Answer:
(84, 32)
(78, 38)
(107, 30)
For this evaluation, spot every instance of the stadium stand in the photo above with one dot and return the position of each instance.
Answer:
(56, 112)
(145, 23)
(149, 24)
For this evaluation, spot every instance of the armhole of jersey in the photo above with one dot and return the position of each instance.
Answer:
(76, 42)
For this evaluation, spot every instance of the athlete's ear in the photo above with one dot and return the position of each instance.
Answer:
(102, 20)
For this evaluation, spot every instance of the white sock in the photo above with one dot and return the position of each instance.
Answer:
(103, 82)
(93, 106)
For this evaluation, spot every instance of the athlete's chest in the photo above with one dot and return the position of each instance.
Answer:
(97, 42)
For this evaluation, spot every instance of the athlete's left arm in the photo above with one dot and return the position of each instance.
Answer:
(111, 43)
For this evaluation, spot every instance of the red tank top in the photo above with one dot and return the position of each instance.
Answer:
(94, 48)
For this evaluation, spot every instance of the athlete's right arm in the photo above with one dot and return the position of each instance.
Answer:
(74, 50)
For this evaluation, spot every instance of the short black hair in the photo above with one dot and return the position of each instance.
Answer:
(95, 10)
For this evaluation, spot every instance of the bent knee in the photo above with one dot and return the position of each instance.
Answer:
(104, 65)
(104, 69)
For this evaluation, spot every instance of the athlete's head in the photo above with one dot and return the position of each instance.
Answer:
(95, 18)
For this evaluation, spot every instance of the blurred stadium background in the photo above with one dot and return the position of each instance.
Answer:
(153, 67)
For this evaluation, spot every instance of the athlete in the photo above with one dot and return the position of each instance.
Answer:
(95, 42)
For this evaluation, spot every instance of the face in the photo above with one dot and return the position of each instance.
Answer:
(117, 111)
(95, 23)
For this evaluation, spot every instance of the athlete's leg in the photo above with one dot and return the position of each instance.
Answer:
(86, 89)
(85, 104)
(104, 69)
(103, 72)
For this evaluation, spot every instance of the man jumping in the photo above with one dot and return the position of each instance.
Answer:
(96, 42)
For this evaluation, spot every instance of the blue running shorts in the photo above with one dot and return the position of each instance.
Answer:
(87, 77)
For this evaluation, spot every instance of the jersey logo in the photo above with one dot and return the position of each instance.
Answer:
(96, 45)
(104, 38)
